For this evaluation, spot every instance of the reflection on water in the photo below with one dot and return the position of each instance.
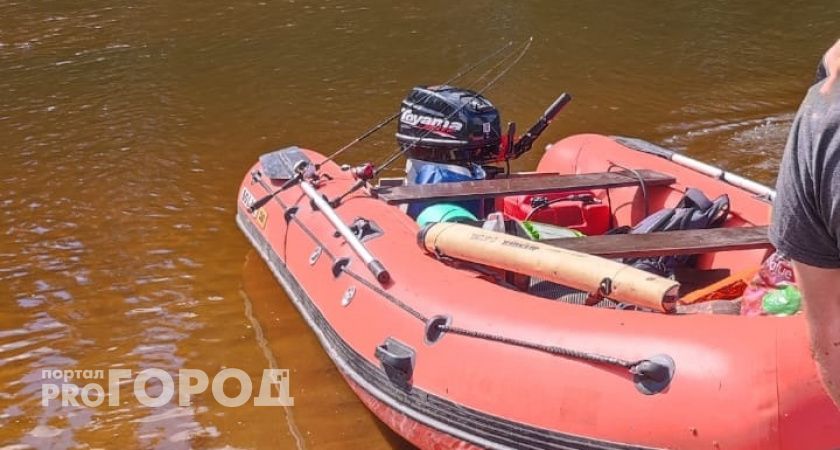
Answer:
(287, 341)
(125, 127)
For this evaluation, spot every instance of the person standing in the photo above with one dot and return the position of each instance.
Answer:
(805, 225)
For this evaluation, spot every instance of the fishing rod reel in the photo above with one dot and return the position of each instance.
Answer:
(363, 172)
(450, 125)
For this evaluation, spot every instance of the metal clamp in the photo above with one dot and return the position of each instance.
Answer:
(605, 288)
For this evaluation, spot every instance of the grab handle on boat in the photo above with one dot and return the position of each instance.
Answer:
(376, 268)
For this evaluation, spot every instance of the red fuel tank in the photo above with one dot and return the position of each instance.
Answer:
(580, 210)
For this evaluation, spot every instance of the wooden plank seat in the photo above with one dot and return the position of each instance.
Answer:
(470, 190)
(681, 242)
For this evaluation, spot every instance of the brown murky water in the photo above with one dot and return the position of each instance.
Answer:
(126, 126)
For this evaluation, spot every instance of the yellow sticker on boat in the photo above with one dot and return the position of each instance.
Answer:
(260, 215)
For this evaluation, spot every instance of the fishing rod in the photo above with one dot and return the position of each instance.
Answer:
(403, 150)
(307, 176)
(374, 265)
(391, 118)
(298, 176)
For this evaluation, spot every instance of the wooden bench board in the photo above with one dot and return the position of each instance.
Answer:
(470, 190)
(681, 242)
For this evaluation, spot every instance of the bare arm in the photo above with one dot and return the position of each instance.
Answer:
(821, 287)
(832, 65)
(821, 292)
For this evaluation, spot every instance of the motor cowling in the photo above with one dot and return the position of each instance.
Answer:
(445, 124)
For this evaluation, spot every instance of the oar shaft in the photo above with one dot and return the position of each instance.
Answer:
(699, 166)
(729, 177)
(373, 264)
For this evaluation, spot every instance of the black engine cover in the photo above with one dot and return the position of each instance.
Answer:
(449, 125)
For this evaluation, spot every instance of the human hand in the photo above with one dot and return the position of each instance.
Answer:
(832, 66)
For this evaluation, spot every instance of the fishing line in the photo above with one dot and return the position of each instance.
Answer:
(292, 181)
(492, 69)
(391, 118)
(507, 69)
(401, 151)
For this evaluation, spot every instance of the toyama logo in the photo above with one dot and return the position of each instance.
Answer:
(434, 124)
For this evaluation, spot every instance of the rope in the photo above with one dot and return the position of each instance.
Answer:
(404, 150)
(397, 302)
(638, 177)
(551, 349)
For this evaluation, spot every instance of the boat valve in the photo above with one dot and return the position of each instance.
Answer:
(363, 172)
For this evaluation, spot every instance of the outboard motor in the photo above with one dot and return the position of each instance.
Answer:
(449, 125)
(448, 133)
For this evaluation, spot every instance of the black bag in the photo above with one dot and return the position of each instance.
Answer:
(695, 211)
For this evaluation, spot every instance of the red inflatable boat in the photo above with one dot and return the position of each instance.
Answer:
(451, 345)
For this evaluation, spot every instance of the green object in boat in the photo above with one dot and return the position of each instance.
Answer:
(784, 301)
(444, 212)
(531, 230)
(537, 231)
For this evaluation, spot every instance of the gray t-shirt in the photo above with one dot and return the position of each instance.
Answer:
(806, 212)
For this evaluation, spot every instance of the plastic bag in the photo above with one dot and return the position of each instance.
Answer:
(772, 290)
(782, 302)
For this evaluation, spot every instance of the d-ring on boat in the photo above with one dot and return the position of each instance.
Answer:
(477, 333)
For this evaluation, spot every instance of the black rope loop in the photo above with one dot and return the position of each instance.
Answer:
(551, 349)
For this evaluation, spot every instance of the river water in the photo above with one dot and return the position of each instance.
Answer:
(125, 127)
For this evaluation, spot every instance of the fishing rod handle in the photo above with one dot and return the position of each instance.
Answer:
(337, 201)
(267, 198)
